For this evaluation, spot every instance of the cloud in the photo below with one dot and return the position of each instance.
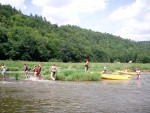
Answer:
(134, 21)
(18, 4)
(135, 30)
(130, 11)
(68, 11)
(51, 3)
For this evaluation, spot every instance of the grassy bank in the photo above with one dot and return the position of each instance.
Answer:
(71, 71)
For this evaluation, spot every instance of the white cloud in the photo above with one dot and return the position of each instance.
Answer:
(134, 30)
(18, 4)
(51, 3)
(129, 11)
(147, 17)
(68, 11)
(134, 21)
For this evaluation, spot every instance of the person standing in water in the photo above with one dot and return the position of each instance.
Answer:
(105, 69)
(86, 65)
(138, 73)
(53, 71)
(3, 69)
(26, 71)
(35, 71)
(39, 71)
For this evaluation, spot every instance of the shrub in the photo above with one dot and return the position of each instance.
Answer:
(13, 69)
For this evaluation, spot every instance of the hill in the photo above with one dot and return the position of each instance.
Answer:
(33, 38)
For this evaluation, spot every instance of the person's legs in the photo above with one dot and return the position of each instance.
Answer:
(86, 68)
(26, 73)
(52, 75)
(138, 76)
(3, 75)
(35, 74)
(39, 76)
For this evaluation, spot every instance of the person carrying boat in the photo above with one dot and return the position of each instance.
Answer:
(53, 71)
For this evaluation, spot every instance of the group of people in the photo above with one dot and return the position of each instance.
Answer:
(53, 70)
(138, 71)
(36, 70)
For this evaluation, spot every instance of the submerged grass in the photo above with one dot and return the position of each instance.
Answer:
(71, 71)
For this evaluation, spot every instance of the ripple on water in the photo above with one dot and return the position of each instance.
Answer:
(94, 97)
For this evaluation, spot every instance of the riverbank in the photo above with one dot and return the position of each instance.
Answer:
(71, 71)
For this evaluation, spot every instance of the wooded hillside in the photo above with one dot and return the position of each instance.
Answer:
(33, 38)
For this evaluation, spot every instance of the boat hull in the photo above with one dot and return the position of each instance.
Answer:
(115, 77)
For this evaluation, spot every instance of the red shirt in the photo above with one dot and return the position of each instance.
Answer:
(35, 69)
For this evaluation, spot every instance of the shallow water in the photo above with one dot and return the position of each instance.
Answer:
(105, 96)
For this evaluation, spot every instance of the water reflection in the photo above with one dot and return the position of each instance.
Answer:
(105, 96)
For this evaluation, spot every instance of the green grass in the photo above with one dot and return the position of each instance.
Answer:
(71, 71)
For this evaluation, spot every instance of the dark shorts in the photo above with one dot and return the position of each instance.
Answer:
(86, 66)
(54, 73)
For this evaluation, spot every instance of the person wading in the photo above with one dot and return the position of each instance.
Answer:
(86, 65)
(53, 71)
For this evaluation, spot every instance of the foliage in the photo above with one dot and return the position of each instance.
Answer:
(33, 38)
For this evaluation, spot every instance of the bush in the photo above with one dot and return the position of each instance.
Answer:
(73, 75)
(13, 69)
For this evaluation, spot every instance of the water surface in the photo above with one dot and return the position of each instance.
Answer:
(105, 96)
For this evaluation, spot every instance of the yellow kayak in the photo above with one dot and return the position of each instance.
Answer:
(115, 77)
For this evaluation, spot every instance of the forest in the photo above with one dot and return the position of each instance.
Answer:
(33, 38)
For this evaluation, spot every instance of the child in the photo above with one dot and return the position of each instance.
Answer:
(138, 72)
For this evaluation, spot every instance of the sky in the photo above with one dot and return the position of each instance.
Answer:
(129, 19)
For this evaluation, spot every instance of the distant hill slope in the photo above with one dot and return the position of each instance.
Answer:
(31, 37)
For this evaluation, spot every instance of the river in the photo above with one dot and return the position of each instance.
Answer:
(104, 96)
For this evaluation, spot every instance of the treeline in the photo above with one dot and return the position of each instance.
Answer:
(33, 38)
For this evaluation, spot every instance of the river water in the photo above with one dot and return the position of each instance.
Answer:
(104, 96)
